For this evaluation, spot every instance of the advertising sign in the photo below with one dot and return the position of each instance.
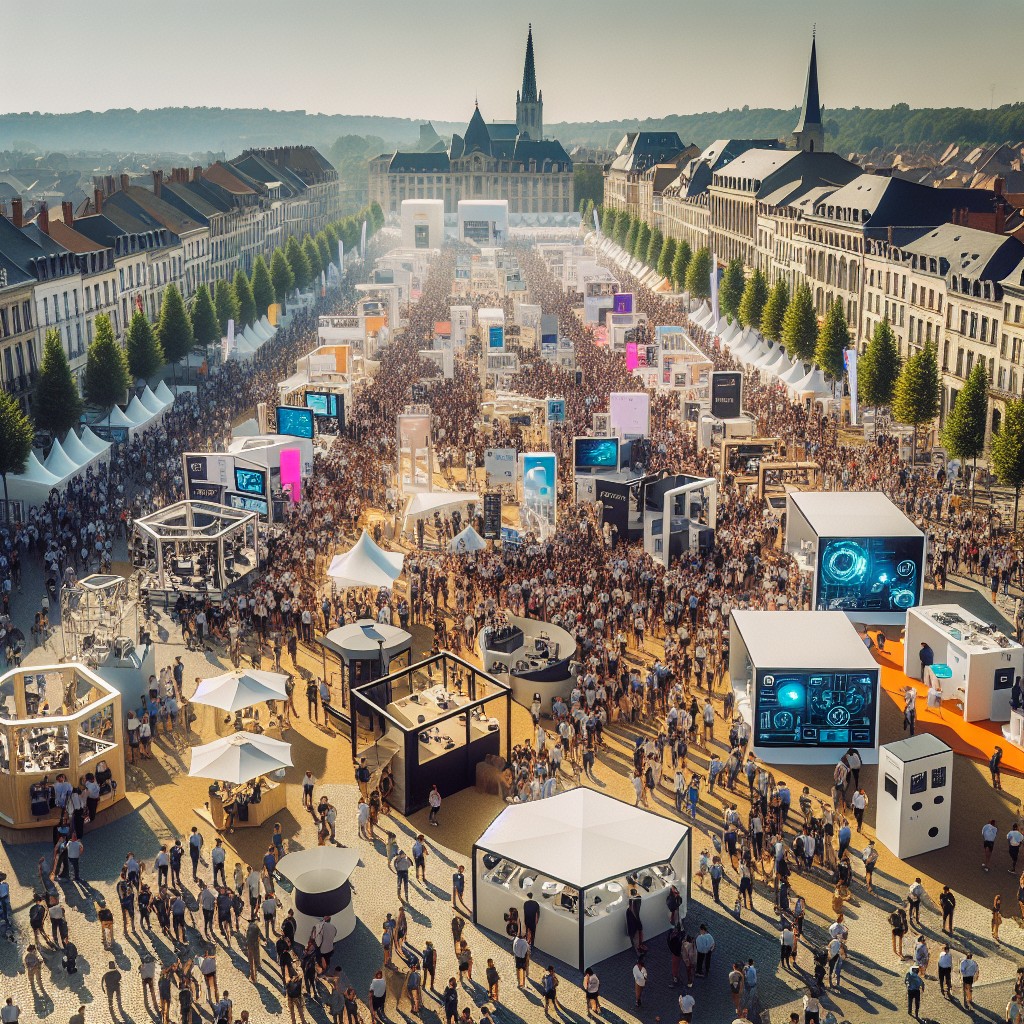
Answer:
(499, 467)
(630, 412)
(556, 410)
(850, 359)
(726, 394)
(496, 338)
(623, 302)
(548, 333)
(492, 516)
(540, 487)
(461, 317)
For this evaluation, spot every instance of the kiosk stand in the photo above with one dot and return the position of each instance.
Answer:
(915, 789)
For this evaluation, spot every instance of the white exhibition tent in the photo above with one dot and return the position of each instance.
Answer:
(267, 325)
(366, 565)
(768, 358)
(77, 452)
(720, 328)
(164, 393)
(747, 341)
(468, 540)
(751, 355)
(579, 850)
(116, 418)
(261, 332)
(797, 372)
(34, 485)
(702, 315)
(814, 384)
(731, 332)
(425, 503)
(151, 402)
(94, 443)
(58, 463)
(138, 413)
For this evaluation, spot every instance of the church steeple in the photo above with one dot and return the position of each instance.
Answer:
(809, 134)
(530, 103)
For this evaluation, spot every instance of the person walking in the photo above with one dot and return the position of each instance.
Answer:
(434, 799)
(195, 849)
(997, 915)
(308, 783)
(945, 968)
(915, 988)
(947, 904)
(592, 988)
(75, 850)
(969, 972)
(1014, 838)
(705, 945)
(459, 889)
(993, 766)
(639, 981)
(989, 834)
(549, 986)
(402, 864)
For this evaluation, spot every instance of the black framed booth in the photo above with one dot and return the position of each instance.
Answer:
(433, 722)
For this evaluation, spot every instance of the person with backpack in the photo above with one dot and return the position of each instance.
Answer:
(915, 987)
(900, 926)
(549, 985)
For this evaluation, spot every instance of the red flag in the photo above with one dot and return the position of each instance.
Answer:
(138, 304)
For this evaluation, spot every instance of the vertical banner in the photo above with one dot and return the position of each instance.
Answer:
(231, 335)
(597, 223)
(850, 358)
(341, 256)
(540, 489)
(291, 473)
(492, 515)
(714, 287)
(323, 284)
(362, 242)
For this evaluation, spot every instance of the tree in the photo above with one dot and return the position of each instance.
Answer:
(282, 277)
(698, 274)
(323, 247)
(755, 296)
(16, 437)
(833, 340)
(623, 225)
(878, 368)
(56, 403)
(246, 302)
(107, 378)
(668, 255)
(730, 292)
(775, 311)
(588, 183)
(227, 308)
(680, 264)
(376, 217)
(262, 287)
(964, 430)
(1006, 452)
(206, 327)
(800, 325)
(312, 254)
(917, 392)
(608, 222)
(654, 247)
(632, 235)
(301, 270)
(174, 328)
(643, 240)
(145, 356)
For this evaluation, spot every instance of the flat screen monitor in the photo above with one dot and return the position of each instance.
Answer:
(323, 403)
(869, 574)
(596, 452)
(815, 709)
(248, 503)
(295, 421)
(251, 481)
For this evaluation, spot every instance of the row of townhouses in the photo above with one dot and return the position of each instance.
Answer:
(120, 249)
(944, 265)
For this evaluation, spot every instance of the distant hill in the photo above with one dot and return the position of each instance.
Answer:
(229, 130)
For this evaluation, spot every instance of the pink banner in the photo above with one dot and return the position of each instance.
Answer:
(632, 358)
(291, 472)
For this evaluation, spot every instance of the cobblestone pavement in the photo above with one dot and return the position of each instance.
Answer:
(872, 984)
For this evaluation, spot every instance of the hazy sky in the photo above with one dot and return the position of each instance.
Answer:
(411, 58)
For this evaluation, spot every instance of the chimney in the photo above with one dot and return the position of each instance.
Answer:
(158, 183)
(197, 173)
(43, 219)
(1000, 225)
(999, 184)
(97, 199)
(3, 208)
(125, 182)
(954, 217)
(889, 232)
(68, 209)
(17, 212)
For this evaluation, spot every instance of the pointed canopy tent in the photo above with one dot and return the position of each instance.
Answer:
(468, 540)
(813, 384)
(138, 413)
(751, 355)
(34, 485)
(591, 844)
(94, 443)
(232, 691)
(748, 340)
(267, 325)
(732, 331)
(58, 463)
(720, 328)
(775, 363)
(702, 315)
(239, 758)
(768, 358)
(366, 565)
(252, 338)
(164, 393)
(77, 452)
(798, 371)
(260, 331)
(151, 402)
(116, 418)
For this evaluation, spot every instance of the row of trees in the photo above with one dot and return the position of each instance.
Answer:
(110, 369)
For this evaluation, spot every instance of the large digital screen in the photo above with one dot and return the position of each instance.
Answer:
(295, 421)
(815, 709)
(596, 452)
(251, 481)
(864, 574)
(248, 503)
(323, 403)
(496, 337)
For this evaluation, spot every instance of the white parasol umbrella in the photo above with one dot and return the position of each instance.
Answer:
(233, 691)
(240, 758)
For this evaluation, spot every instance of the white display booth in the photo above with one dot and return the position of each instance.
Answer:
(806, 684)
(581, 854)
(983, 662)
(914, 804)
(712, 431)
(864, 556)
(483, 221)
(422, 223)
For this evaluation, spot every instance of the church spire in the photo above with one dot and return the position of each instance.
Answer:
(810, 132)
(529, 89)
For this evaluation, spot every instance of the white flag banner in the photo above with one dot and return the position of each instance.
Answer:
(597, 223)
(714, 288)
(850, 358)
(341, 256)
(362, 242)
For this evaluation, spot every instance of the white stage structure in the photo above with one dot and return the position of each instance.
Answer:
(581, 854)
(806, 685)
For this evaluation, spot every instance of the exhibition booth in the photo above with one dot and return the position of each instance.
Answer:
(195, 547)
(359, 652)
(535, 654)
(863, 555)
(806, 684)
(679, 516)
(321, 887)
(975, 663)
(712, 430)
(433, 722)
(56, 719)
(584, 857)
